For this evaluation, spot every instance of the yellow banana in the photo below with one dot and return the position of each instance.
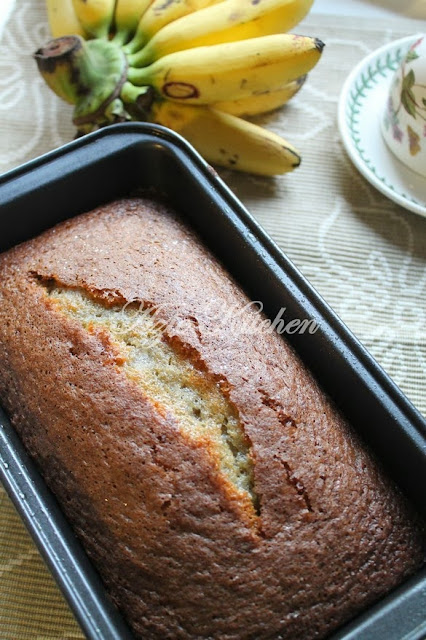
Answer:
(160, 13)
(226, 22)
(262, 102)
(230, 71)
(62, 19)
(127, 16)
(95, 16)
(228, 141)
(195, 66)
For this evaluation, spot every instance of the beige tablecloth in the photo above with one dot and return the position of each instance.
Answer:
(365, 255)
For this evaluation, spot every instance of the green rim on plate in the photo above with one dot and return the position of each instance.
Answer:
(366, 84)
(381, 67)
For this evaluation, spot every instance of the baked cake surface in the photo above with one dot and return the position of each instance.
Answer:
(216, 488)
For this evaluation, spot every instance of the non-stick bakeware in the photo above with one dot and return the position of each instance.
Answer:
(118, 161)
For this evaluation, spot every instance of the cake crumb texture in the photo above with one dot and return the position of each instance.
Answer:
(193, 397)
(215, 486)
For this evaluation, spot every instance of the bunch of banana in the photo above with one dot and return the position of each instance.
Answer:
(198, 67)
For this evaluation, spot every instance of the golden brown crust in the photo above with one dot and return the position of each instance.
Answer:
(169, 538)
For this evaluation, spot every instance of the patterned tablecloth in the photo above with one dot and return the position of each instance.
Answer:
(364, 254)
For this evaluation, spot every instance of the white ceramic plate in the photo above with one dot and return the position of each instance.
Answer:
(361, 105)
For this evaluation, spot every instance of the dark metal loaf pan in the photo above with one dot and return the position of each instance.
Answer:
(114, 162)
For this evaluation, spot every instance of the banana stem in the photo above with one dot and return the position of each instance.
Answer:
(136, 43)
(56, 63)
(130, 93)
(87, 74)
(140, 97)
(121, 37)
(139, 76)
(140, 58)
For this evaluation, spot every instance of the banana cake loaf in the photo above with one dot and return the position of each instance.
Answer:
(216, 488)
